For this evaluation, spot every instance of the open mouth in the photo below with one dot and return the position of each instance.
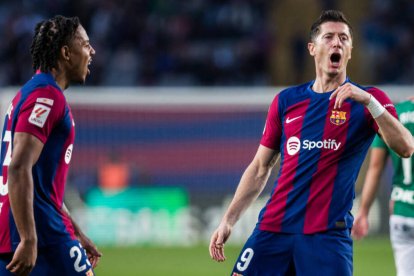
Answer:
(335, 58)
(89, 65)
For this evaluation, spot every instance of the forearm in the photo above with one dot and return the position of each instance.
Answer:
(397, 137)
(377, 161)
(369, 190)
(76, 227)
(251, 185)
(21, 201)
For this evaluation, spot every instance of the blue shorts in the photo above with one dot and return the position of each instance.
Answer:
(276, 254)
(64, 259)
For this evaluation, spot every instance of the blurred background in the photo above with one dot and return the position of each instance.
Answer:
(175, 105)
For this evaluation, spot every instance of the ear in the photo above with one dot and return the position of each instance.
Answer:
(65, 52)
(350, 53)
(311, 48)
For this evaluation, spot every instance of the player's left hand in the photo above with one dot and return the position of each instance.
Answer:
(360, 227)
(349, 91)
(91, 250)
(217, 241)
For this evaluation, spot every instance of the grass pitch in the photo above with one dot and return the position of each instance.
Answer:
(372, 256)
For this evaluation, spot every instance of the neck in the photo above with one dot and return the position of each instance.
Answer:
(60, 78)
(327, 83)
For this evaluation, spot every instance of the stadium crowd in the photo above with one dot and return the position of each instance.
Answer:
(197, 43)
(149, 43)
(388, 35)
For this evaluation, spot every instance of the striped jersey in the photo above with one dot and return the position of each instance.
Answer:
(322, 150)
(39, 109)
(403, 185)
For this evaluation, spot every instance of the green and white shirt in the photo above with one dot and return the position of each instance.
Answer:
(403, 184)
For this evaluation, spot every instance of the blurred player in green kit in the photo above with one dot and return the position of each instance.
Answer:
(402, 195)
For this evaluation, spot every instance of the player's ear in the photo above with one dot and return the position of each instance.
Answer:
(311, 48)
(350, 52)
(65, 52)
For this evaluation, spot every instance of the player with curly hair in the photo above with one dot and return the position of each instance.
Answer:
(37, 234)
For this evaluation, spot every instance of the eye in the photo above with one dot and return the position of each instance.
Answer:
(328, 37)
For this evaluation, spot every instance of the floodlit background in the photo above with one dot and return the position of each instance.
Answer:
(174, 109)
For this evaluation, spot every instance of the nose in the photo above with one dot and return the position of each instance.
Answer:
(336, 41)
(92, 52)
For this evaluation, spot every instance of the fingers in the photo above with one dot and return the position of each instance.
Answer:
(94, 251)
(356, 233)
(93, 255)
(19, 268)
(340, 95)
(94, 261)
(349, 91)
(216, 247)
(335, 95)
(359, 229)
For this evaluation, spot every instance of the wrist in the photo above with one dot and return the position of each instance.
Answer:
(363, 210)
(375, 107)
(228, 222)
(29, 241)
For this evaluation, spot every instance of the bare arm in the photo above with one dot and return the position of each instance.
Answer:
(376, 165)
(395, 135)
(251, 185)
(26, 151)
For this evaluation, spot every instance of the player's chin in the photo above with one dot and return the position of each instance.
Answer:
(333, 72)
(79, 81)
(82, 79)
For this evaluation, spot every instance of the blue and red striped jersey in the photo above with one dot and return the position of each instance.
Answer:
(40, 109)
(322, 150)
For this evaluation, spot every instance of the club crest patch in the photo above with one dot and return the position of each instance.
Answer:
(39, 115)
(338, 117)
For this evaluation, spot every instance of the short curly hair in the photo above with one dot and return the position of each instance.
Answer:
(49, 37)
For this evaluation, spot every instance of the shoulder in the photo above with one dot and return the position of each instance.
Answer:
(380, 95)
(374, 91)
(42, 92)
(295, 89)
(41, 85)
(293, 94)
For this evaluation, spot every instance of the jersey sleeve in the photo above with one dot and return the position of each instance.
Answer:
(385, 101)
(41, 112)
(273, 127)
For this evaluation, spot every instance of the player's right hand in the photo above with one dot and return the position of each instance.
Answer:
(24, 258)
(217, 241)
(360, 227)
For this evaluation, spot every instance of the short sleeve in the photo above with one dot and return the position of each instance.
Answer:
(40, 112)
(273, 127)
(385, 101)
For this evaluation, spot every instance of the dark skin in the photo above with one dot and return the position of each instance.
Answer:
(72, 67)
(26, 151)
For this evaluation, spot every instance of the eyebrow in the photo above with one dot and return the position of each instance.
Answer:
(332, 33)
(82, 40)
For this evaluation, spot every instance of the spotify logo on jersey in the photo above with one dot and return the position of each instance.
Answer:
(68, 154)
(293, 145)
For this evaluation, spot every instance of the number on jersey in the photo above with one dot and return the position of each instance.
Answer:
(245, 259)
(7, 159)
